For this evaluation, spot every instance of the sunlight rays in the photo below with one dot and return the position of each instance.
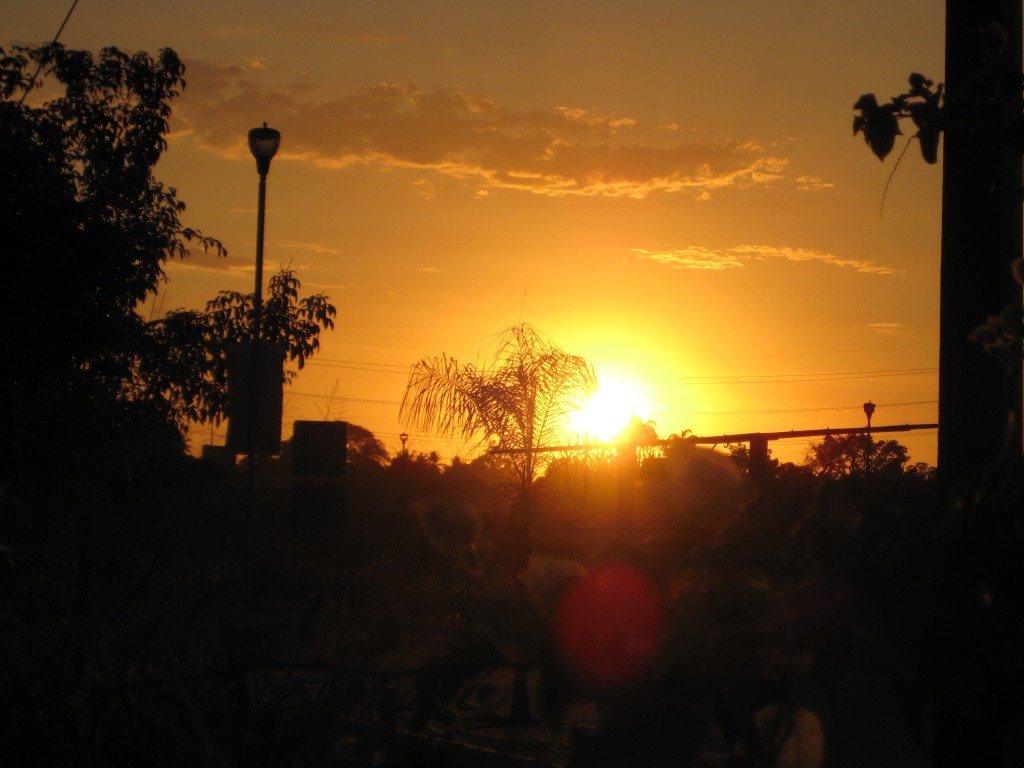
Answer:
(608, 411)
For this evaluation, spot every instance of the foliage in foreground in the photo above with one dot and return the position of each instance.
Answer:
(91, 230)
(398, 620)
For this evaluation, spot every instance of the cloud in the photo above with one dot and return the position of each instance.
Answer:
(762, 252)
(294, 245)
(260, 65)
(698, 257)
(561, 150)
(887, 329)
(813, 183)
(424, 189)
(230, 265)
(692, 257)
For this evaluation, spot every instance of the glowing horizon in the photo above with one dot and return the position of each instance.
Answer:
(632, 179)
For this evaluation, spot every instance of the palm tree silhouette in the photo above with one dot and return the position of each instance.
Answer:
(521, 400)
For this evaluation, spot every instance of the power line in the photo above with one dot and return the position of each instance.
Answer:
(754, 412)
(791, 378)
(32, 82)
(344, 399)
(738, 349)
(766, 411)
(783, 378)
(359, 366)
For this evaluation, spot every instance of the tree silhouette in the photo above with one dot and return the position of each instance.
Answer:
(839, 456)
(639, 431)
(188, 363)
(521, 400)
(91, 231)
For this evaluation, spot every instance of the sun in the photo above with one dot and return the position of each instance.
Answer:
(607, 412)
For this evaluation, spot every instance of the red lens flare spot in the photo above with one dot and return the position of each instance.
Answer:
(609, 624)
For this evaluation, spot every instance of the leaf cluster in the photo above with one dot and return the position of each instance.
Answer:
(880, 123)
(188, 362)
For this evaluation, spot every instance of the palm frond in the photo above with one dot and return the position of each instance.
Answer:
(522, 400)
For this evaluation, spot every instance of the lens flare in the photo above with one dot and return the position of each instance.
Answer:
(609, 625)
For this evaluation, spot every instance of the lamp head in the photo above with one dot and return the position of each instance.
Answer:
(263, 143)
(869, 409)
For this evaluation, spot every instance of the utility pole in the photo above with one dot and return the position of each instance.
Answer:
(869, 410)
(979, 403)
(981, 234)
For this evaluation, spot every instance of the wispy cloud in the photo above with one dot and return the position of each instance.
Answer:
(424, 189)
(809, 254)
(293, 245)
(813, 183)
(697, 257)
(229, 265)
(691, 257)
(888, 329)
(261, 65)
(561, 150)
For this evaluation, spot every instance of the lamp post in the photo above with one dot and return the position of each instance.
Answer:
(248, 361)
(263, 143)
(869, 409)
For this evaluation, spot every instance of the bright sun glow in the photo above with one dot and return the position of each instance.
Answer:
(608, 412)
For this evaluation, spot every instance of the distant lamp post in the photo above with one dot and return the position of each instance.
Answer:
(869, 409)
(404, 437)
(253, 406)
(263, 143)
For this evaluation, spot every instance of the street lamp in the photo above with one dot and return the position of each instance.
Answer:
(869, 409)
(248, 361)
(263, 143)
(403, 437)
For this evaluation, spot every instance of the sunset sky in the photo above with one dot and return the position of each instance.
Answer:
(670, 189)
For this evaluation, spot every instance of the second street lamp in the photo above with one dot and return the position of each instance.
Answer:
(869, 410)
(263, 143)
(254, 424)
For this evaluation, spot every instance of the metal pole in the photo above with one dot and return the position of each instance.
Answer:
(254, 368)
(257, 312)
(869, 410)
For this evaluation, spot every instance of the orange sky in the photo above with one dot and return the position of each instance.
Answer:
(670, 189)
